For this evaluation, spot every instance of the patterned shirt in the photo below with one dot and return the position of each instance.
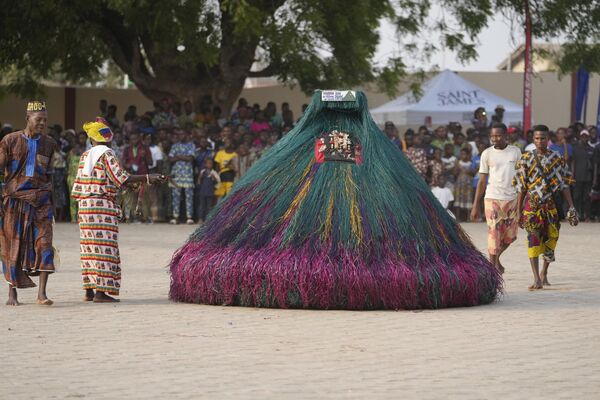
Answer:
(541, 175)
(26, 164)
(183, 171)
(108, 177)
(418, 159)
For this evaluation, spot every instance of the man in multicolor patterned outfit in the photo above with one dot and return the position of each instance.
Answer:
(540, 174)
(496, 170)
(26, 210)
(181, 156)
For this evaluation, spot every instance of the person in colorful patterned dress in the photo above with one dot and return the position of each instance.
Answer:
(26, 211)
(540, 174)
(181, 156)
(99, 178)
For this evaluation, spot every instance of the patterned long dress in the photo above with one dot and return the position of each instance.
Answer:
(99, 216)
(463, 188)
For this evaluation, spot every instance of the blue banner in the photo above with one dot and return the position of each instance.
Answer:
(598, 115)
(581, 91)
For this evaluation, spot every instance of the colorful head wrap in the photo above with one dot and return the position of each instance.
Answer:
(98, 131)
(36, 106)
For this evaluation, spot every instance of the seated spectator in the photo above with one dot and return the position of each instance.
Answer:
(145, 126)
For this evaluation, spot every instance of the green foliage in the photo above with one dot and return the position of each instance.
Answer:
(184, 48)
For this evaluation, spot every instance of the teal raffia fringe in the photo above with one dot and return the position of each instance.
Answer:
(295, 233)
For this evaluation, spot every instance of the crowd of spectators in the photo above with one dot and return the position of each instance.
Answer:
(448, 157)
(204, 153)
(201, 151)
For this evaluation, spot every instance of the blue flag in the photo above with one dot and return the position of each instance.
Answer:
(581, 90)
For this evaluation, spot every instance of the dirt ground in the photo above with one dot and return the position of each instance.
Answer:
(527, 345)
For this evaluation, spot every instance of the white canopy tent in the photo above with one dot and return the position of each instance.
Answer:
(446, 98)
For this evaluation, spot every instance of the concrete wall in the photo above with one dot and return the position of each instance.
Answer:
(551, 98)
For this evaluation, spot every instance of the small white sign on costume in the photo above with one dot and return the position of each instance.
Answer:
(338, 95)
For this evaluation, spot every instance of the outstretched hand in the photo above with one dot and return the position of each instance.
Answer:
(157, 178)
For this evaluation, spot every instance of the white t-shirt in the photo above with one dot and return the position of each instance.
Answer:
(500, 165)
(529, 147)
(444, 195)
(156, 155)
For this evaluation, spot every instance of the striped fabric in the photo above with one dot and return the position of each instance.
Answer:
(98, 223)
(99, 234)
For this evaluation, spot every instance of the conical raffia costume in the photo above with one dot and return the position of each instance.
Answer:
(303, 230)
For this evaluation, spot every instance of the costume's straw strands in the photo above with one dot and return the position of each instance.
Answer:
(298, 233)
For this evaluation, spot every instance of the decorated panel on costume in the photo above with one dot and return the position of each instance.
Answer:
(337, 146)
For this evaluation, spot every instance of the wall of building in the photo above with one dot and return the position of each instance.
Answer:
(551, 98)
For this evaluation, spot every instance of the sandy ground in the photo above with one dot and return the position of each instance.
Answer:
(527, 345)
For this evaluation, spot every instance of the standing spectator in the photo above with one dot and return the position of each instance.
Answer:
(480, 120)
(275, 119)
(245, 159)
(287, 115)
(163, 115)
(443, 194)
(416, 155)
(226, 164)
(146, 125)
(426, 145)
(151, 191)
(131, 122)
(181, 158)
(514, 137)
(103, 106)
(436, 168)
(593, 142)
(111, 117)
(137, 159)
(499, 113)
(59, 184)
(189, 116)
(441, 138)
(463, 190)
(73, 156)
(459, 143)
(260, 123)
(561, 146)
(583, 172)
(449, 162)
(131, 114)
(391, 132)
(475, 162)
(208, 178)
(118, 145)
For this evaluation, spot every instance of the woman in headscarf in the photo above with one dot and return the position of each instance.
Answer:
(99, 178)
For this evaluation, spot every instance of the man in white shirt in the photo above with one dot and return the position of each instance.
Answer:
(497, 169)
